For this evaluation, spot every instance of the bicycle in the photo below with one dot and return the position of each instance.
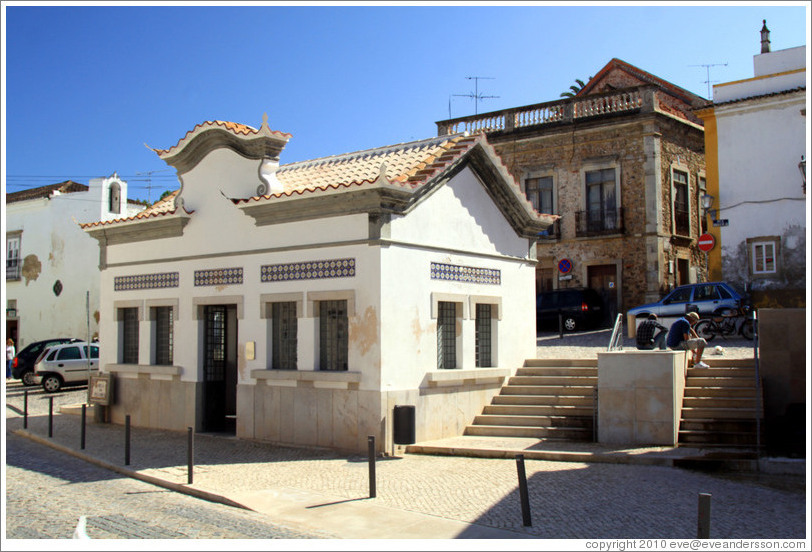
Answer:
(729, 322)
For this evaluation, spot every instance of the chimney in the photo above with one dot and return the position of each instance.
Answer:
(765, 38)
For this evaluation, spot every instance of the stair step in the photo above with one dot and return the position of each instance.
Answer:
(558, 371)
(717, 438)
(720, 426)
(561, 362)
(553, 380)
(543, 400)
(731, 392)
(719, 381)
(719, 402)
(571, 434)
(717, 413)
(534, 421)
(543, 390)
(538, 410)
(722, 372)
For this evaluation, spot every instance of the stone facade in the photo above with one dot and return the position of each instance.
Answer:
(642, 143)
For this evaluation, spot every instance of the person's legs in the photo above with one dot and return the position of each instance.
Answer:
(659, 340)
(697, 347)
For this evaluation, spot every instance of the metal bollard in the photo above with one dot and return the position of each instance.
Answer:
(50, 416)
(190, 457)
(560, 325)
(523, 495)
(84, 424)
(25, 409)
(371, 445)
(703, 520)
(127, 440)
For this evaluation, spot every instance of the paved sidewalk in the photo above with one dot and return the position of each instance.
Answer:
(435, 497)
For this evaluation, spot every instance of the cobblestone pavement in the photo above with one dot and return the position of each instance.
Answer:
(47, 491)
(587, 344)
(568, 499)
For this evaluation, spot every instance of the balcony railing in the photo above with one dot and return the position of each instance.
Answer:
(560, 111)
(552, 232)
(12, 269)
(599, 223)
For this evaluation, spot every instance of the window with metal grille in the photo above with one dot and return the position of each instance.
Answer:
(333, 325)
(129, 335)
(284, 333)
(163, 335)
(483, 336)
(446, 335)
(540, 193)
(601, 200)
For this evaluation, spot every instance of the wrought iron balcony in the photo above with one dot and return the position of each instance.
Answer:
(552, 232)
(12, 269)
(599, 222)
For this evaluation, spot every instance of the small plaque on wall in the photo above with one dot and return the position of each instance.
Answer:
(101, 391)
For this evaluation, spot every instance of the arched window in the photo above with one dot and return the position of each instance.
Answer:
(115, 198)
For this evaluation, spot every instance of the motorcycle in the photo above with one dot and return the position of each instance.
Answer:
(728, 323)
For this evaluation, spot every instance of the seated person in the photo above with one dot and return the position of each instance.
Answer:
(646, 338)
(682, 337)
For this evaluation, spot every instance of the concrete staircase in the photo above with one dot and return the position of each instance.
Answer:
(720, 405)
(546, 399)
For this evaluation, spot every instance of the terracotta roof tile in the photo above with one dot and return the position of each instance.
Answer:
(67, 187)
(166, 206)
(236, 128)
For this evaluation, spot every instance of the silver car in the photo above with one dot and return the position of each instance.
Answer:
(66, 364)
(706, 299)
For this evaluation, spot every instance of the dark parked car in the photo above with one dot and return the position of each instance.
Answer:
(22, 367)
(707, 299)
(580, 308)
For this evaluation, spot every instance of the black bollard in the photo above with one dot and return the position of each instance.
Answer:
(25, 409)
(703, 519)
(127, 440)
(84, 424)
(371, 443)
(560, 324)
(190, 457)
(50, 416)
(523, 495)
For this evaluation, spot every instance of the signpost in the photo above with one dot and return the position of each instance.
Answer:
(706, 242)
(564, 266)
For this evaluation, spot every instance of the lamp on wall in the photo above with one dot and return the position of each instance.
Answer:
(707, 203)
(802, 168)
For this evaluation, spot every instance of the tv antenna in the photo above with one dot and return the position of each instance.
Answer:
(149, 181)
(476, 96)
(707, 67)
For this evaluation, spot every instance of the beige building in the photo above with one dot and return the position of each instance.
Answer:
(622, 163)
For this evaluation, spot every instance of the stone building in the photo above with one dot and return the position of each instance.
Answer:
(622, 163)
(300, 303)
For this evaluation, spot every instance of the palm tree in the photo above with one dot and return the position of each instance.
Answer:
(575, 89)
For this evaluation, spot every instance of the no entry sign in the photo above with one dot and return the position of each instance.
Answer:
(706, 242)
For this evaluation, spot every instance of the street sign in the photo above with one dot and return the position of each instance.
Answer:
(721, 222)
(564, 266)
(706, 242)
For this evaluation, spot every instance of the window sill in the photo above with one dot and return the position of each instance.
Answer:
(309, 378)
(135, 369)
(469, 376)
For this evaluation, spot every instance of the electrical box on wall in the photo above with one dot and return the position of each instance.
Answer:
(671, 267)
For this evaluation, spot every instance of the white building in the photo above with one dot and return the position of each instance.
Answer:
(755, 135)
(300, 303)
(51, 264)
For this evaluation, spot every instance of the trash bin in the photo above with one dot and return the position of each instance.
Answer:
(404, 424)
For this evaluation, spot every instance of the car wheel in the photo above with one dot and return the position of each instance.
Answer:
(29, 378)
(51, 383)
(570, 324)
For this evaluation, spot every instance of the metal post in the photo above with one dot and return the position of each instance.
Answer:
(560, 324)
(50, 416)
(759, 398)
(84, 422)
(87, 349)
(25, 409)
(127, 440)
(190, 457)
(371, 443)
(523, 495)
(703, 521)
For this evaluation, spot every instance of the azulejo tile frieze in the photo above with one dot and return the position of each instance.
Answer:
(310, 270)
(467, 274)
(146, 281)
(218, 277)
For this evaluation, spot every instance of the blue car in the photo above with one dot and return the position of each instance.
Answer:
(707, 299)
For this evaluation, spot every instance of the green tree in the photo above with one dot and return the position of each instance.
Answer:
(574, 89)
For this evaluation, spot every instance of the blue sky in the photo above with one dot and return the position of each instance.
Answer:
(85, 87)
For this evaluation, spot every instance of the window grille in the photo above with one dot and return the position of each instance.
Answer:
(483, 336)
(13, 258)
(333, 326)
(284, 336)
(446, 335)
(129, 342)
(163, 336)
(214, 368)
